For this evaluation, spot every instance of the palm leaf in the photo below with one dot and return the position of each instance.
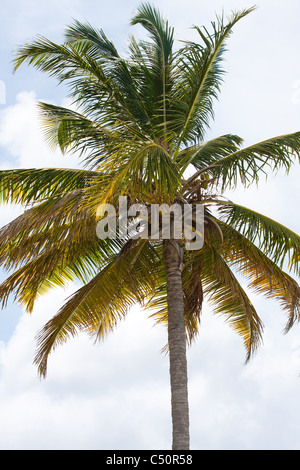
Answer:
(44, 249)
(226, 295)
(248, 164)
(55, 220)
(263, 274)
(198, 78)
(277, 241)
(161, 53)
(98, 305)
(142, 170)
(26, 186)
(72, 130)
(95, 40)
(120, 71)
(205, 154)
(66, 61)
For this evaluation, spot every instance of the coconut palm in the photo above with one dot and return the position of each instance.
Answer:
(138, 124)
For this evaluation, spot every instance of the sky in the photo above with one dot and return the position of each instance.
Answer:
(115, 394)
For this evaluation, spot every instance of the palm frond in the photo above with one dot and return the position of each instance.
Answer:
(55, 220)
(70, 130)
(27, 186)
(198, 77)
(160, 31)
(142, 170)
(248, 164)
(205, 154)
(95, 40)
(65, 62)
(98, 305)
(263, 274)
(277, 241)
(227, 297)
(119, 71)
(98, 83)
(57, 266)
(50, 245)
(161, 52)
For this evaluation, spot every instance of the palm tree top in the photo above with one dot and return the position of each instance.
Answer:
(138, 123)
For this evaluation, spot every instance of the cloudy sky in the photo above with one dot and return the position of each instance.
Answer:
(115, 395)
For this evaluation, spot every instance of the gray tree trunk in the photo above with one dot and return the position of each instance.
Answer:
(177, 347)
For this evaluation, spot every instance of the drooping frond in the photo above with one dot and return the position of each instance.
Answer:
(57, 266)
(264, 276)
(143, 170)
(280, 243)
(100, 145)
(95, 40)
(98, 305)
(223, 291)
(99, 83)
(65, 62)
(52, 217)
(62, 226)
(73, 131)
(49, 245)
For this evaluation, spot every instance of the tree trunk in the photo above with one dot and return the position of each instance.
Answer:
(177, 347)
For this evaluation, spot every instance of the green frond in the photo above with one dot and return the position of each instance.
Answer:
(159, 56)
(97, 82)
(205, 154)
(159, 29)
(145, 170)
(198, 77)
(27, 186)
(65, 62)
(73, 131)
(247, 165)
(95, 40)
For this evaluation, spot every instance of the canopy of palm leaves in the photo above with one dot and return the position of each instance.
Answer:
(139, 125)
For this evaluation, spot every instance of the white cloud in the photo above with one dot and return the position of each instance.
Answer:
(21, 134)
(94, 394)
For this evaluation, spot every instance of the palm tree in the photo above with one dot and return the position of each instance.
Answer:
(138, 124)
